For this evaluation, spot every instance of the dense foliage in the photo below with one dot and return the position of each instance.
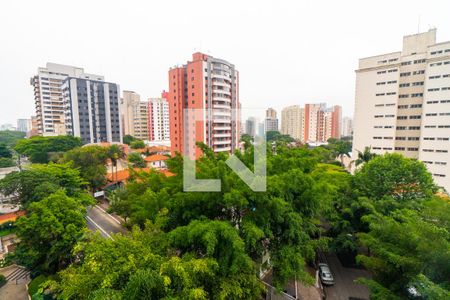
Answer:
(39, 148)
(10, 138)
(210, 245)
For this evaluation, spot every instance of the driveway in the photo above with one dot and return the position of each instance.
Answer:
(99, 220)
(344, 286)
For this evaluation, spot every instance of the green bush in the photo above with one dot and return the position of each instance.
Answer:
(2, 280)
(33, 286)
(6, 162)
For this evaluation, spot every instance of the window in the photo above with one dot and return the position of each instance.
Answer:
(401, 128)
(405, 63)
(392, 70)
(413, 149)
(389, 116)
(434, 77)
(402, 106)
(403, 96)
(391, 93)
(404, 74)
(419, 61)
(402, 117)
(400, 138)
(416, 117)
(404, 85)
(419, 72)
(418, 83)
(414, 127)
(400, 148)
(431, 114)
(380, 94)
(416, 106)
(381, 72)
(416, 95)
(379, 105)
(381, 83)
(392, 82)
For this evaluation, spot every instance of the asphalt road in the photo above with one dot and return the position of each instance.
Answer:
(99, 220)
(344, 285)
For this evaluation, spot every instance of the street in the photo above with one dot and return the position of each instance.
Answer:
(344, 286)
(99, 220)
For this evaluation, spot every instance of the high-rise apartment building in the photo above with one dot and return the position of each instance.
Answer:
(250, 126)
(34, 127)
(48, 96)
(402, 103)
(134, 115)
(271, 121)
(347, 126)
(92, 110)
(292, 122)
(158, 119)
(211, 86)
(23, 125)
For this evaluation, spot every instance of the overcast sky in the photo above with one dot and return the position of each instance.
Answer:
(287, 52)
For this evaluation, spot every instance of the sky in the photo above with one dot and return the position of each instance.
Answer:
(287, 52)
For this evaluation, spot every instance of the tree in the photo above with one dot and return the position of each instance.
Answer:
(4, 151)
(365, 156)
(276, 136)
(49, 232)
(40, 148)
(340, 148)
(404, 248)
(38, 181)
(392, 175)
(136, 160)
(91, 161)
(6, 162)
(10, 138)
(127, 139)
(137, 144)
(115, 153)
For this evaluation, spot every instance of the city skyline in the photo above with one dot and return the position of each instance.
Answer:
(142, 67)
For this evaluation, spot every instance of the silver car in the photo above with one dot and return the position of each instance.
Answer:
(325, 274)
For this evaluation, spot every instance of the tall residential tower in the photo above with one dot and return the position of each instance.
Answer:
(211, 87)
(402, 103)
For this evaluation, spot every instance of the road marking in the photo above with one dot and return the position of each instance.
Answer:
(98, 226)
(115, 220)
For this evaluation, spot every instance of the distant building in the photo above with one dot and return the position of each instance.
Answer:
(23, 125)
(250, 126)
(47, 84)
(134, 115)
(34, 127)
(347, 126)
(92, 110)
(402, 103)
(7, 127)
(292, 122)
(271, 121)
(211, 85)
(158, 120)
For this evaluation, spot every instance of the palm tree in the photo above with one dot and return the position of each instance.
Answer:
(364, 156)
(114, 154)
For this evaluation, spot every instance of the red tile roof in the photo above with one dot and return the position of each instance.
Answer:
(156, 157)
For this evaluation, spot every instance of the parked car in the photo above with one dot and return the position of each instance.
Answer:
(325, 274)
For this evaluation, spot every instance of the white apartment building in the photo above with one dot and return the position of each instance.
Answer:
(47, 84)
(292, 122)
(134, 115)
(402, 103)
(347, 126)
(158, 119)
(271, 120)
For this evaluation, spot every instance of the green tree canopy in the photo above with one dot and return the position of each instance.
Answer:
(49, 232)
(137, 144)
(91, 161)
(38, 181)
(10, 138)
(40, 148)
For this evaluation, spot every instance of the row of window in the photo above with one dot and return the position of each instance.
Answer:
(435, 139)
(414, 95)
(410, 117)
(406, 149)
(387, 104)
(437, 151)
(404, 138)
(386, 82)
(417, 61)
(385, 94)
(445, 88)
(408, 128)
(436, 114)
(439, 76)
(437, 101)
(439, 51)
(384, 116)
(437, 126)
(404, 74)
(404, 106)
(385, 60)
(440, 63)
(388, 71)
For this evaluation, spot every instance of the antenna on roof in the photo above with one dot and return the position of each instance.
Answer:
(418, 24)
